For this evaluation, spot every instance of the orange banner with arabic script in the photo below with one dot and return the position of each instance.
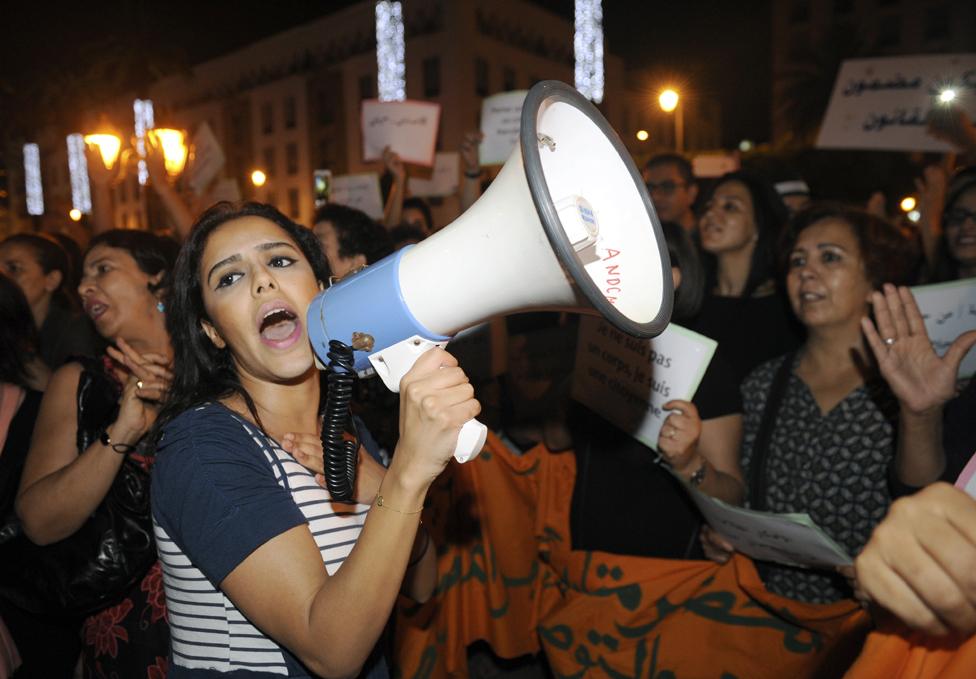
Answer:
(507, 576)
(894, 652)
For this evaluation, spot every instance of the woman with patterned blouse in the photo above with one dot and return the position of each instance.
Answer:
(832, 437)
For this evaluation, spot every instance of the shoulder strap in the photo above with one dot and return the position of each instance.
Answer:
(757, 477)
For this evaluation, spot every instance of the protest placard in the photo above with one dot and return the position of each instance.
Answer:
(501, 116)
(627, 381)
(884, 103)
(206, 159)
(361, 191)
(407, 127)
(949, 309)
(443, 180)
(791, 539)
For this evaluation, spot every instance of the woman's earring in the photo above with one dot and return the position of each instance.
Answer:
(160, 307)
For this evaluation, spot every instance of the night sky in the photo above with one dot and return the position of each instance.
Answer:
(718, 49)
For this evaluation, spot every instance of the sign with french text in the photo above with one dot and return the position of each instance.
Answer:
(501, 117)
(627, 380)
(361, 191)
(885, 103)
(443, 180)
(949, 310)
(409, 128)
(791, 539)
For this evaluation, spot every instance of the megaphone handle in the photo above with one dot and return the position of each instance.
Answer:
(392, 363)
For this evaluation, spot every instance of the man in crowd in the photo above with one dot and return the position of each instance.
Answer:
(673, 188)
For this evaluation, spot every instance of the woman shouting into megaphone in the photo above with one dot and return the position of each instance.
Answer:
(263, 571)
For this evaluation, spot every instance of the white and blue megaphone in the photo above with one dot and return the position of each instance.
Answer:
(566, 225)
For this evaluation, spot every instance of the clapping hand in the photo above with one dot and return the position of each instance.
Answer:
(145, 380)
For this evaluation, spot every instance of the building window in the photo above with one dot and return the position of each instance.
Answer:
(290, 113)
(291, 158)
(294, 207)
(237, 131)
(325, 108)
(508, 79)
(269, 161)
(800, 11)
(367, 87)
(325, 154)
(267, 118)
(937, 23)
(481, 77)
(843, 6)
(432, 77)
(889, 31)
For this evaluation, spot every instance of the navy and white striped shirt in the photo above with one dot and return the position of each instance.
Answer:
(221, 489)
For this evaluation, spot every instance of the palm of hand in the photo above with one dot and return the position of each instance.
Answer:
(917, 375)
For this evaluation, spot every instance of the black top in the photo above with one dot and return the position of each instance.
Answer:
(65, 334)
(959, 432)
(15, 449)
(626, 503)
(749, 331)
(831, 466)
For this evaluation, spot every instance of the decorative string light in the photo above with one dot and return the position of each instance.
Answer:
(32, 179)
(588, 47)
(143, 109)
(391, 78)
(78, 170)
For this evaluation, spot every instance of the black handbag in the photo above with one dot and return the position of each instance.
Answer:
(96, 566)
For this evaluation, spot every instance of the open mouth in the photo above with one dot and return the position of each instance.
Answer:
(278, 325)
(95, 310)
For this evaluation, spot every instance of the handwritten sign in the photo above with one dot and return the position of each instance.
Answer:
(884, 103)
(501, 117)
(627, 381)
(206, 159)
(407, 127)
(791, 539)
(949, 309)
(361, 191)
(443, 181)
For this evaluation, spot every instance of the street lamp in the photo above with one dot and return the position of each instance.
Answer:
(258, 178)
(669, 100)
(642, 135)
(171, 143)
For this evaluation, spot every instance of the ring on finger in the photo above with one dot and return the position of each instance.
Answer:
(139, 384)
(889, 340)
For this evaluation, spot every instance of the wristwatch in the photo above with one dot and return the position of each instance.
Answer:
(120, 448)
(698, 477)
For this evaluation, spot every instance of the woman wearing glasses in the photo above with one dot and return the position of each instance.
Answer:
(956, 254)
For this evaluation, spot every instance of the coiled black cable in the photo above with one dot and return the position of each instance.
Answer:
(340, 456)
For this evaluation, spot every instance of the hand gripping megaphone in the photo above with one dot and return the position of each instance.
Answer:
(566, 225)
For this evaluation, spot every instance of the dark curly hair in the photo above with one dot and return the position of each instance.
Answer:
(153, 254)
(889, 256)
(769, 214)
(356, 232)
(18, 334)
(202, 372)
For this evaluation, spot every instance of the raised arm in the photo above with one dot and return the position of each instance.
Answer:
(59, 488)
(332, 622)
(920, 379)
(393, 211)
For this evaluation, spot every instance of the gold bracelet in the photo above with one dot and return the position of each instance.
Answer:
(381, 503)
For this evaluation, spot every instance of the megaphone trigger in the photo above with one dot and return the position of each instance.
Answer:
(392, 363)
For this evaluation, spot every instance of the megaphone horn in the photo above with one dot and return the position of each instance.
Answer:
(566, 225)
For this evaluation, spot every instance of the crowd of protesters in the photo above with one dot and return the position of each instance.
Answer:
(133, 353)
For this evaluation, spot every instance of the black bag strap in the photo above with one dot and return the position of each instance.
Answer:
(757, 477)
